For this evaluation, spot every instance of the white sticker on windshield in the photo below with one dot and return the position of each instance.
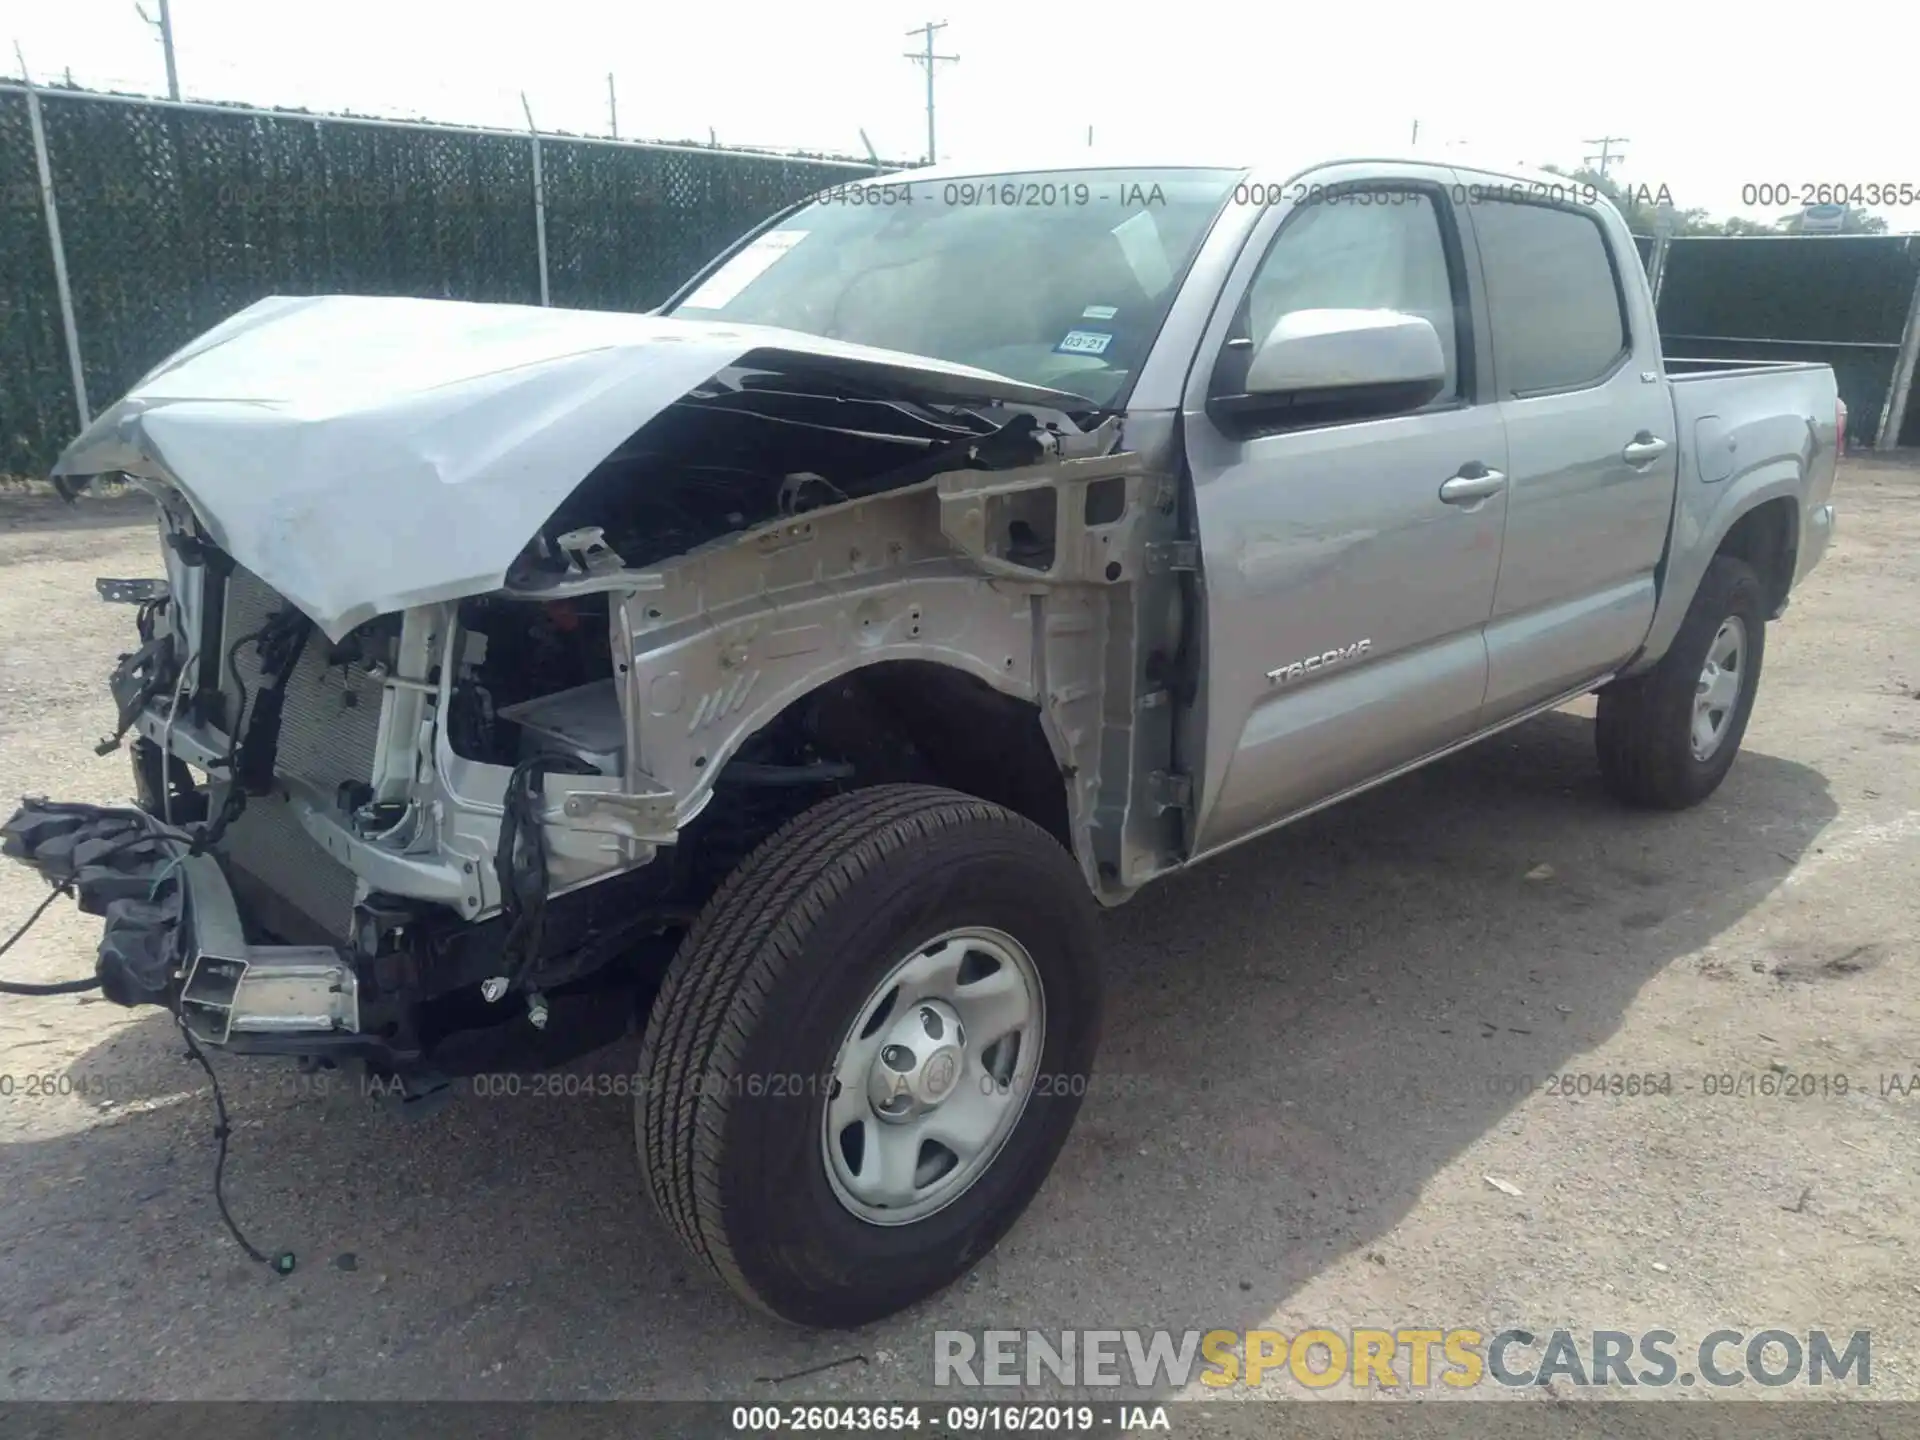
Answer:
(1100, 312)
(1146, 252)
(1084, 342)
(760, 254)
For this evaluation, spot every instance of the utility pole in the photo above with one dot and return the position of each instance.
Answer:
(1607, 155)
(1416, 133)
(613, 109)
(165, 26)
(928, 59)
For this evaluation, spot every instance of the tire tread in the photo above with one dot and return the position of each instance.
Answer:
(716, 990)
(1643, 760)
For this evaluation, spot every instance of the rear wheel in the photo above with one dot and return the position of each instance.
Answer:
(869, 1050)
(1667, 738)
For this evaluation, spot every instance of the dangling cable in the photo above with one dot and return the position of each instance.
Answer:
(61, 987)
(284, 1262)
(52, 895)
(286, 634)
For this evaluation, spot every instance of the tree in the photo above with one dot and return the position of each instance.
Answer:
(1640, 205)
(1740, 225)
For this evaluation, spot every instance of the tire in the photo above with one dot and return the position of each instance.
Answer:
(760, 1004)
(1646, 727)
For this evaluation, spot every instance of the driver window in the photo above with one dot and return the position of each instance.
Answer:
(1360, 250)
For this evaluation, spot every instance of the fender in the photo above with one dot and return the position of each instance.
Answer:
(1704, 515)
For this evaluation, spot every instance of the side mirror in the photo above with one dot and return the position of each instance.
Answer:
(1343, 364)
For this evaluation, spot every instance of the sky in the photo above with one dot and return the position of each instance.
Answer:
(1710, 97)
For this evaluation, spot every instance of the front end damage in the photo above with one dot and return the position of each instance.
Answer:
(425, 767)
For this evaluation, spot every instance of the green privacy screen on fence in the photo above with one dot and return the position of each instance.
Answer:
(36, 401)
(626, 226)
(174, 217)
(1840, 300)
(1849, 289)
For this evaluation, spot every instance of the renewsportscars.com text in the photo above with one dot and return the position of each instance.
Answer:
(1401, 1358)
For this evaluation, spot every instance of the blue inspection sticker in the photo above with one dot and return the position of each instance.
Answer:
(1084, 342)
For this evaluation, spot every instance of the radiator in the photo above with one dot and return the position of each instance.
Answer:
(286, 882)
(329, 729)
(330, 722)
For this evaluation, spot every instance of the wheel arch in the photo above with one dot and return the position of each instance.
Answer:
(925, 714)
(1759, 517)
(1767, 536)
(979, 733)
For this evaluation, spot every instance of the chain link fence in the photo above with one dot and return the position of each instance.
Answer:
(173, 217)
(1844, 300)
(37, 410)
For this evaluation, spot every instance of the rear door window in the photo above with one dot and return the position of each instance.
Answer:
(1559, 317)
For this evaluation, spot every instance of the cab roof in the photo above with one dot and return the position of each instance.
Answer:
(1027, 162)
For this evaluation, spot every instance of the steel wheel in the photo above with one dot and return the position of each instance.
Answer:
(1667, 736)
(932, 1076)
(1718, 690)
(952, 934)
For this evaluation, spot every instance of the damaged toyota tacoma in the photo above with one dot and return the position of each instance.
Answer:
(794, 671)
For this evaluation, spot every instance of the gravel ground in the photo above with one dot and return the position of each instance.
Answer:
(1318, 1052)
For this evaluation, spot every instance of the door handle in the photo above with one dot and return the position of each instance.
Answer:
(1644, 449)
(1464, 489)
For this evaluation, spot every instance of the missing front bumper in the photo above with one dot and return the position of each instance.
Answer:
(231, 988)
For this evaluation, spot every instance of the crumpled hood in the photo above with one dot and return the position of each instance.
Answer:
(364, 455)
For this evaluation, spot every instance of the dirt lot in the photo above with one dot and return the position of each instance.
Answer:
(1328, 1035)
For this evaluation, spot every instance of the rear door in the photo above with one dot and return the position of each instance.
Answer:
(1345, 598)
(1590, 443)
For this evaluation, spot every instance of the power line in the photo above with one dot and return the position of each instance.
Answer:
(928, 59)
(1607, 155)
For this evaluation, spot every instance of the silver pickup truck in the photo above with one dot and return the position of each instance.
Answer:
(794, 671)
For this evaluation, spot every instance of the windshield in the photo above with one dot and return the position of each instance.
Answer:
(1058, 278)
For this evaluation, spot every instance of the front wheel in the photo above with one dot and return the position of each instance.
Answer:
(1667, 738)
(869, 1050)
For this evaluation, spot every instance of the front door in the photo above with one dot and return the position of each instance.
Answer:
(1346, 598)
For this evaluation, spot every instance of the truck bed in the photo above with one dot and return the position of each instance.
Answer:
(1701, 368)
(1750, 433)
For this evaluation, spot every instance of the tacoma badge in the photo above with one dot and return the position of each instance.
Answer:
(1318, 662)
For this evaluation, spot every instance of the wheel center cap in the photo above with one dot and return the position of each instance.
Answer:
(920, 1062)
(939, 1073)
